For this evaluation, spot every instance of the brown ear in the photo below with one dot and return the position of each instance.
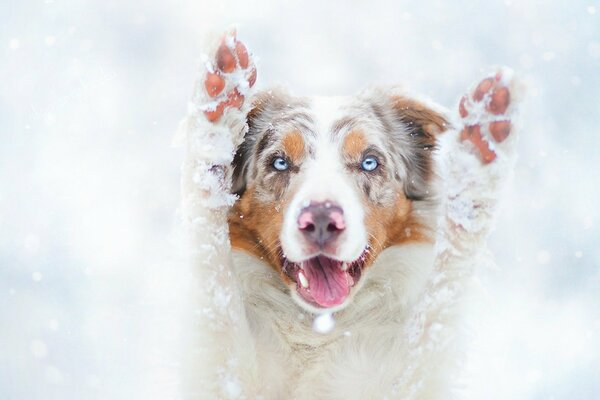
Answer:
(422, 118)
(423, 124)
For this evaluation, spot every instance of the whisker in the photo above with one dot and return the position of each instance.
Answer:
(376, 240)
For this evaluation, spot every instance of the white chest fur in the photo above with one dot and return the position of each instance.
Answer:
(360, 356)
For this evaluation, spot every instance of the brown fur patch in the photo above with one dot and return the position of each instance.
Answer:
(255, 226)
(392, 226)
(354, 144)
(293, 145)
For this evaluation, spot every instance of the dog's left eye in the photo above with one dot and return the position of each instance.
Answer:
(280, 164)
(369, 164)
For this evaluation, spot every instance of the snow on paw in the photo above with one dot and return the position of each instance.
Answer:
(228, 77)
(472, 133)
(214, 84)
(486, 113)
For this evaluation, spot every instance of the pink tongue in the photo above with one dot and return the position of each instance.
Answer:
(329, 285)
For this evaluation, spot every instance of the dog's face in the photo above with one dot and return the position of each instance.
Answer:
(326, 184)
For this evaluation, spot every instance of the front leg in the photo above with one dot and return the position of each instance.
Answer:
(480, 161)
(476, 161)
(217, 347)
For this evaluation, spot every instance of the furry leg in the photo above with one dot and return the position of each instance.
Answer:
(478, 158)
(217, 346)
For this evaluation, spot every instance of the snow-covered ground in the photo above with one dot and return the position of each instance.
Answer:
(92, 92)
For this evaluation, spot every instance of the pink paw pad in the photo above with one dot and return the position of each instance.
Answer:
(233, 64)
(484, 115)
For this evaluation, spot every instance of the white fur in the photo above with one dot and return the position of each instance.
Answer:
(325, 179)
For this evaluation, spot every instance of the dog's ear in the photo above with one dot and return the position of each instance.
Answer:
(422, 119)
(422, 123)
(258, 120)
(243, 155)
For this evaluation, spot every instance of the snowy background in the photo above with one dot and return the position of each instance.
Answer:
(92, 92)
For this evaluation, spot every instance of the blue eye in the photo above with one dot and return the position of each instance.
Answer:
(369, 164)
(280, 164)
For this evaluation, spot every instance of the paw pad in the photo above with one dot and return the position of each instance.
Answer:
(234, 74)
(484, 114)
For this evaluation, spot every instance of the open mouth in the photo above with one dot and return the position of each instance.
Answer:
(325, 282)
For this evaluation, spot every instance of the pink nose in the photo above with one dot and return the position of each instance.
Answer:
(321, 223)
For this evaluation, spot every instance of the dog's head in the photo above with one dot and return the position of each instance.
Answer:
(326, 184)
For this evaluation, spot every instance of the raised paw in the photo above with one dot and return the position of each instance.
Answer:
(228, 77)
(486, 112)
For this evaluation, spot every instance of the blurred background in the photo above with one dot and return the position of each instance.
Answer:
(92, 93)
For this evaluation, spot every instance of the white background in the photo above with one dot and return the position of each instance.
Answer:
(92, 92)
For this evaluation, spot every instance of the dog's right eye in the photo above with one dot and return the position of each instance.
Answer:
(280, 164)
(369, 164)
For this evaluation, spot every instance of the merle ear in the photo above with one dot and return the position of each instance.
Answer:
(243, 156)
(259, 121)
(422, 124)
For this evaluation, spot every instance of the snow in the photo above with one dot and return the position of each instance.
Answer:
(323, 323)
(593, 49)
(38, 349)
(14, 44)
(85, 168)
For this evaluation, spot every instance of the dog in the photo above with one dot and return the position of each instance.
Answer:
(332, 239)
